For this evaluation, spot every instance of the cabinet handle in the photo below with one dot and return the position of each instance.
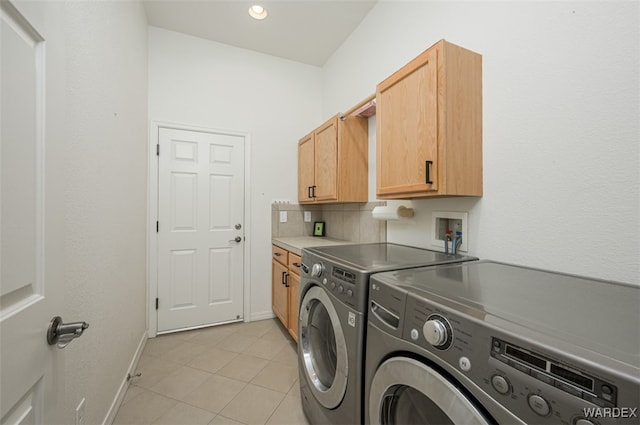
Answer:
(277, 254)
(313, 191)
(427, 165)
(309, 192)
(296, 264)
(285, 279)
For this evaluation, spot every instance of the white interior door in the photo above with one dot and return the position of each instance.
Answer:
(28, 365)
(200, 229)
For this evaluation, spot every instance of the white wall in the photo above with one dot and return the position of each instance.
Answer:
(102, 196)
(276, 101)
(561, 124)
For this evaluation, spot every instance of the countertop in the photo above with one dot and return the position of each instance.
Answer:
(296, 244)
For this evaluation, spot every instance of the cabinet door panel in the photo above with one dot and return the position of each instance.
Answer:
(294, 285)
(407, 128)
(305, 168)
(326, 160)
(279, 293)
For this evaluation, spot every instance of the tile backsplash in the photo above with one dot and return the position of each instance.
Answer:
(351, 222)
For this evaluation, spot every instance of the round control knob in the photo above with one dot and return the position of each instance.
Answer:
(340, 289)
(333, 285)
(349, 293)
(500, 384)
(539, 405)
(436, 331)
(317, 269)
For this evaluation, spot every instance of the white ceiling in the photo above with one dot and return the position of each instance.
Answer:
(307, 31)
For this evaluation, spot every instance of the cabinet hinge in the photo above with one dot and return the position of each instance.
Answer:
(156, 303)
(157, 226)
(158, 149)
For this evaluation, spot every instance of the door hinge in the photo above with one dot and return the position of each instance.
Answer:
(156, 303)
(158, 149)
(157, 226)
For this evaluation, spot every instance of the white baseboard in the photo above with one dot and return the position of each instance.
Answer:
(262, 315)
(117, 401)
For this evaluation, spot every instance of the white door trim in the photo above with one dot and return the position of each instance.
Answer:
(152, 214)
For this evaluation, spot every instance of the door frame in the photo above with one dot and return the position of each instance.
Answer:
(152, 214)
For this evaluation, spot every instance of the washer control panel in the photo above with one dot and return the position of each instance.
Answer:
(348, 285)
(537, 387)
(440, 331)
(552, 372)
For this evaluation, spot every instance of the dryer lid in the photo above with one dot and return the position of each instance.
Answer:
(377, 257)
(593, 314)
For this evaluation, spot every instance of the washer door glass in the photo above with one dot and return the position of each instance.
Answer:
(323, 347)
(406, 391)
(408, 406)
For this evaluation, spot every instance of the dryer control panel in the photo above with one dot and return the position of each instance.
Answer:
(537, 386)
(554, 373)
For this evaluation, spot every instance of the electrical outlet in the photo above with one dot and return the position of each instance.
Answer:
(307, 216)
(283, 216)
(80, 413)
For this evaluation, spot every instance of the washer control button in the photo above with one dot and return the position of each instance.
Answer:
(500, 384)
(415, 334)
(349, 293)
(324, 281)
(340, 289)
(333, 285)
(539, 405)
(465, 363)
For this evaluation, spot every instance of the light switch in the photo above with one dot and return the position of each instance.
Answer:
(283, 216)
(307, 216)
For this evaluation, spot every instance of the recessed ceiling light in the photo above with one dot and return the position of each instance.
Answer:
(257, 12)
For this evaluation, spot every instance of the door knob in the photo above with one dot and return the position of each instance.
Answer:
(238, 226)
(62, 334)
(237, 239)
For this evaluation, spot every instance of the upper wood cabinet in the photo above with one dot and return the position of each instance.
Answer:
(305, 167)
(429, 126)
(333, 162)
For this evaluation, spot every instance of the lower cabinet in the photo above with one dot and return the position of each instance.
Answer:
(285, 284)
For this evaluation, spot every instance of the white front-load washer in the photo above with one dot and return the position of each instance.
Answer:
(485, 343)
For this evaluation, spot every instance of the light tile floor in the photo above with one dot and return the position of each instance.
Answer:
(241, 373)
